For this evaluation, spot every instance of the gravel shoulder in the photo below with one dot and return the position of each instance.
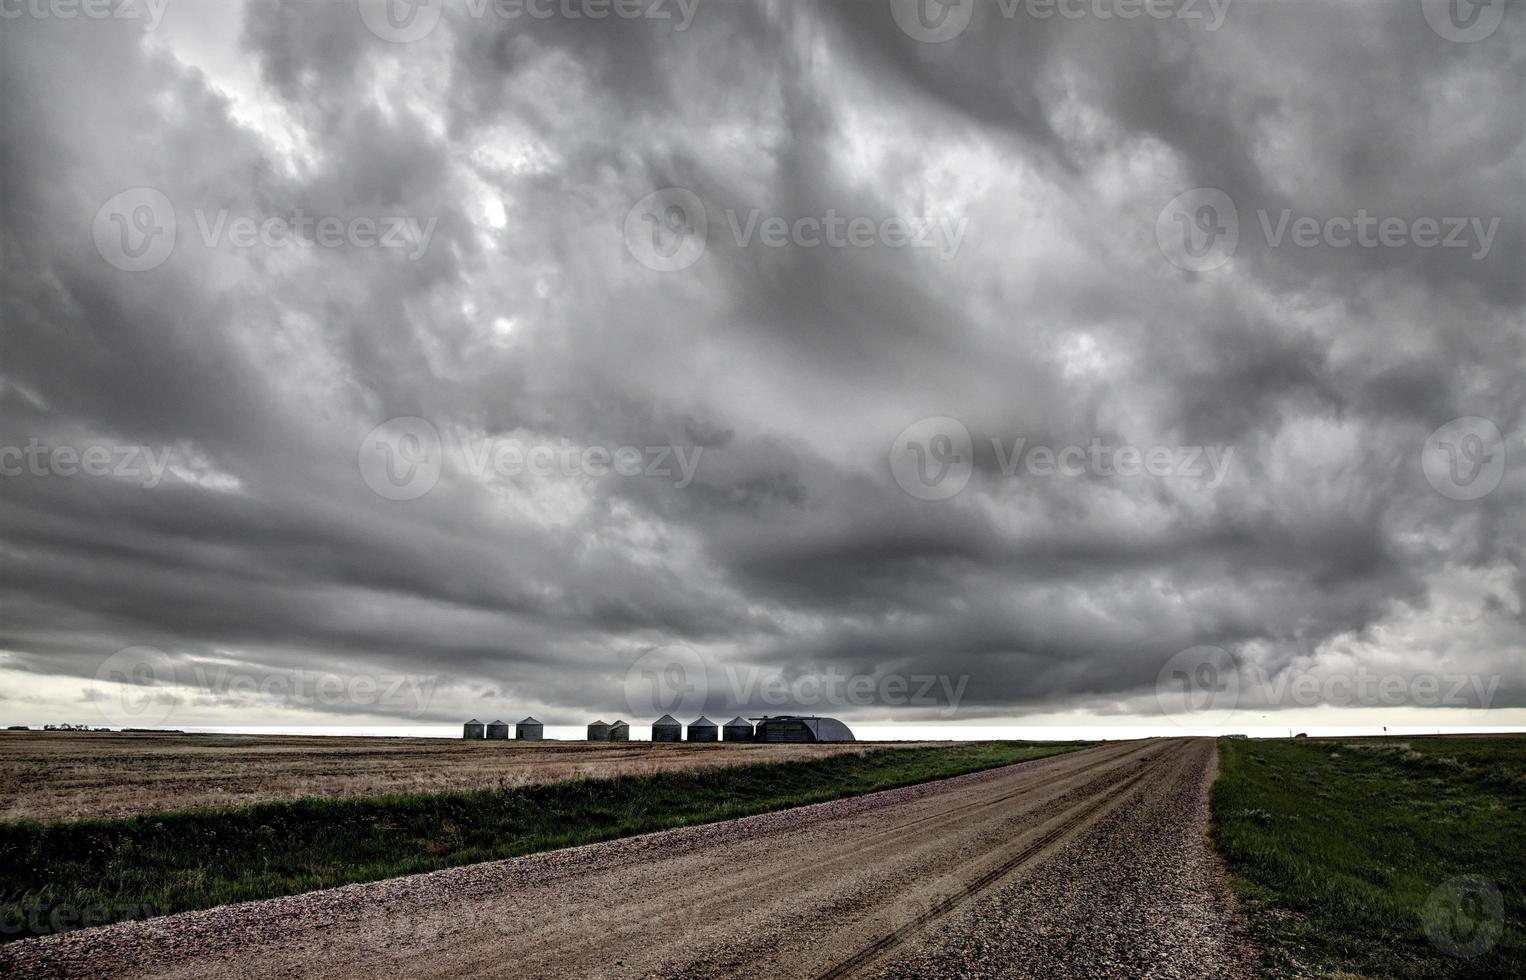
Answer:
(1094, 862)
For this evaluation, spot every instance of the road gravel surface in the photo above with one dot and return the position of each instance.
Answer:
(1091, 864)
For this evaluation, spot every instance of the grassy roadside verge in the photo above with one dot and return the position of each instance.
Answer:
(67, 874)
(1342, 852)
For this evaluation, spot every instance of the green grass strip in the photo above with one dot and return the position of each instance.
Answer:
(1337, 847)
(61, 875)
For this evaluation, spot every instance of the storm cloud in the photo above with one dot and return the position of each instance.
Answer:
(512, 349)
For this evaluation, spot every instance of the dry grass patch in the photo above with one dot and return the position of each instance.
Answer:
(54, 776)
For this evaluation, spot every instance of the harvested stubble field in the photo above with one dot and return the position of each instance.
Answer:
(62, 775)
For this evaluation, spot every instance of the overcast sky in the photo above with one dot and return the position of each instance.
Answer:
(360, 369)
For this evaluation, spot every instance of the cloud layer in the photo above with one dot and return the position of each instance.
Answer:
(774, 374)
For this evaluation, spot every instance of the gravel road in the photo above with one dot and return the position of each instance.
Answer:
(1092, 864)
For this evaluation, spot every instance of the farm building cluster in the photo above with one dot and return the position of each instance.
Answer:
(778, 728)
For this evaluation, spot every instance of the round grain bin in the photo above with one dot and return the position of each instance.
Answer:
(598, 731)
(498, 730)
(530, 729)
(667, 729)
(619, 731)
(472, 729)
(702, 729)
(738, 729)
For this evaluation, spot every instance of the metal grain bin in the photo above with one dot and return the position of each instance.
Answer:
(702, 729)
(794, 728)
(667, 729)
(498, 729)
(737, 730)
(619, 731)
(472, 729)
(598, 731)
(530, 729)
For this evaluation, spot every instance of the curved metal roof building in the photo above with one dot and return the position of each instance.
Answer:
(797, 728)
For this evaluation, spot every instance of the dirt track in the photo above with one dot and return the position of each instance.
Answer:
(1092, 864)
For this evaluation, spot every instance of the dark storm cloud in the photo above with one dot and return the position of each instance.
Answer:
(1315, 374)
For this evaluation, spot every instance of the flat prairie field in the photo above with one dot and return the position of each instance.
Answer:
(61, 775)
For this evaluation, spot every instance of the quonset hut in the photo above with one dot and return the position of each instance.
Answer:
(472, 729)
(794, 728)
(619, 731)
(598, 731)
(530, 729)
(667, 729)
(702, 729)
(498, 730)
(737, 730)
